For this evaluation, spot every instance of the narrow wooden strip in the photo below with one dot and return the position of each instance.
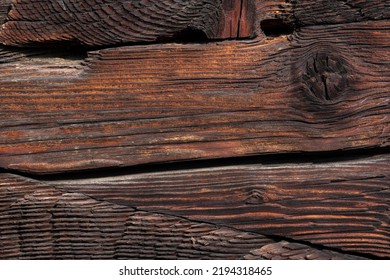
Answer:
(323, 89)
(38, 221)
(338, 204)
(114, 22)
(298, 13)
(101, 23)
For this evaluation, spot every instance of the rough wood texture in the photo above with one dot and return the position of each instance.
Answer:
(332, 12)
(109, 22)
(38, 221)
(320, 12)
(314, 77)
(315, 91)
(293, 251)
(342, 205)
(4, 8)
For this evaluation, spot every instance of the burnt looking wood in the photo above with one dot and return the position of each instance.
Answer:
(276, 113)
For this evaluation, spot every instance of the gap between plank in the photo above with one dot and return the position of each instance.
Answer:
(271, 159)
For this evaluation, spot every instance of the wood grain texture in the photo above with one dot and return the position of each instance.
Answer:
(315, 79)
(343, 205)
(101, 23)
(38, 221)
(285, 250)
(321, 12)
(5, 5)
(322, 89)
(110, 22)
(331, 12)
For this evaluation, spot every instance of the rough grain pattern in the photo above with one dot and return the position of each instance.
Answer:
(100, 23)
(285, 250)
(5, 5)
(115, 22)
(300, 13)
(38, 221)
(330, 12)
(343, 205)
(322, 89)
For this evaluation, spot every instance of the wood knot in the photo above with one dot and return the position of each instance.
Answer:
(256, 197)
(325, 77)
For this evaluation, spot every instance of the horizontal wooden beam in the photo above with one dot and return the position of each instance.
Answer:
(343, 204)
(38, 221)
(118, 22)
(324, 88)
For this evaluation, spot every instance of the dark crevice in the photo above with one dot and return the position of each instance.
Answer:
(75, 51)
(239, 19)
(45, 51)
(267, 159)
(276, 27)
(188, 35)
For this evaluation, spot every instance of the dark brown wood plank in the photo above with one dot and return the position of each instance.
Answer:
(101, 23)
(41, 222)
(285, 250)
(279, 14)
(38, 221)
(110, 22)
(325, 12)
(322, 89)
(341, 204)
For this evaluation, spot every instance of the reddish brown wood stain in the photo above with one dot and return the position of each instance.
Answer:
(238, 20)
(121, 84)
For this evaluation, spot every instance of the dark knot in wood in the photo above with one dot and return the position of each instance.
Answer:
(325, 77)
(256, 197)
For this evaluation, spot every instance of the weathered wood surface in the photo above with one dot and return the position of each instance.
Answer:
(311, 76)
(343, 205)
(39, 221)
(321, 12)
(285, 250)
(109, 22)
(321, 89)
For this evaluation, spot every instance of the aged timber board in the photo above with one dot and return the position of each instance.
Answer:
(217, 212)
(86, 86)
(322, 88)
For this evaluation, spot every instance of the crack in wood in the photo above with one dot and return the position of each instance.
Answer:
(315, 89)
(59, 210)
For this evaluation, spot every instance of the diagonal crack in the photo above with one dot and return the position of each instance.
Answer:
(239, 19)
(275, 238)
